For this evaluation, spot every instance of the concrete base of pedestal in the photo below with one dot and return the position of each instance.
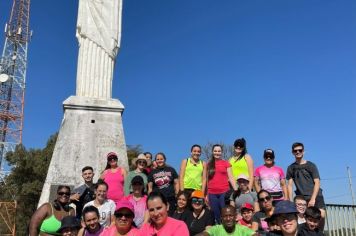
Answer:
(90, 129)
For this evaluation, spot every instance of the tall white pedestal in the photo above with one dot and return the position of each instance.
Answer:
(90, 129)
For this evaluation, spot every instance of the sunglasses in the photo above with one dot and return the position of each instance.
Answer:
(283, 217)
(297, 150)
(197, 201)
(268, 157)
(126, 215)
(112, 159)
(239, 147)
(142, 162)
(63, 193)
(268, 198)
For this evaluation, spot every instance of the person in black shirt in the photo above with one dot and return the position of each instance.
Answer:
(164, 179)
(182, 205)
(311, 226)
(286, 215)
(84, 193)
(200, 218)
(305, 175)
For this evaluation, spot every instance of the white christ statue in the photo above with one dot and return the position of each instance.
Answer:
(98, 34)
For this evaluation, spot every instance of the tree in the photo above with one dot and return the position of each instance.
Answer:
(29, 170)
(206, 152)
(132, 152)
(25, 182)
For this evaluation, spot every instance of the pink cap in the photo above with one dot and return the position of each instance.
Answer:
(111, 154)
(242, 176)
(125, 204)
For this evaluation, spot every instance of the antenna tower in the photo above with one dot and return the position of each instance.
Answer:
(13, 65)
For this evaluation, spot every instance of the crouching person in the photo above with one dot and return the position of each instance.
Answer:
(70, 226)
(311, 226)
(286, 215)
(228, 225)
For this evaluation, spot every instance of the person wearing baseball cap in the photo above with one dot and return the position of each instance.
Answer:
(286, 215)
(246, 213)
(243, 195)
(124, 215)
(271, 177)
(114, 176)
(138, 200)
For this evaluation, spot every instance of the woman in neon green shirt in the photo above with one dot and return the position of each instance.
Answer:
(192, 175)
(47, 219)
(241, 162)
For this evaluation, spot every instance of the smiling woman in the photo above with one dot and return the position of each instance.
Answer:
(47, 219)
(161, 224)
(124, 215)
(105, 206)
(114, 176)
(165, 180)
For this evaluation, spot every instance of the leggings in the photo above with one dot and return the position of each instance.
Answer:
(217, 202)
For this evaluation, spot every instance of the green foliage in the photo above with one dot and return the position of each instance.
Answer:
(132, 152)
(29, 170)
(25, 182)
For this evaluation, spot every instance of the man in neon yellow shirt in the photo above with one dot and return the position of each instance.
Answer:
(228, 226)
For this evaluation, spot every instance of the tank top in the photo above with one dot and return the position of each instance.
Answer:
(239, 166)
(51, 224)
(193, 175)
(87, 233)
(116, 184)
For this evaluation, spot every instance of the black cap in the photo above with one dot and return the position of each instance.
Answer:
(69, 222)
(284, 207)
(268, 152)
(241, 142)
(137, 180)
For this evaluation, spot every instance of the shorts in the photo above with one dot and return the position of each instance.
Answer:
(319, 201)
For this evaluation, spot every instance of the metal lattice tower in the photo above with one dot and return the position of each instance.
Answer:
(13, 64)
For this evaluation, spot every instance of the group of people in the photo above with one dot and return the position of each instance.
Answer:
(217, 197)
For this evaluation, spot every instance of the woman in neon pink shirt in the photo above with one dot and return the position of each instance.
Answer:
(161, 224)
(219, 176)
(124, 215)
(114, 176)
(138, 200)
(271, 178)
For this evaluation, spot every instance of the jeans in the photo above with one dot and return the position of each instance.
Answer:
(217, 202)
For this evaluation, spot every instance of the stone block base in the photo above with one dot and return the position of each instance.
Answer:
(90, 129)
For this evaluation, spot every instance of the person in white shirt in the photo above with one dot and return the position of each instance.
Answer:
(105, 206)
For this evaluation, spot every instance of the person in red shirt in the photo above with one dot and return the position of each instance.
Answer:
(247, 214)
(219, 175)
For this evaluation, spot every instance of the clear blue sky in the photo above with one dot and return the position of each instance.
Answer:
(198, 71)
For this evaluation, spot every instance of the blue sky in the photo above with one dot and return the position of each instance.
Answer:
(200, 71)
